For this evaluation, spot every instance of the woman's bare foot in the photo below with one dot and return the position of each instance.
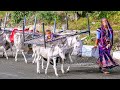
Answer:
(106, 72)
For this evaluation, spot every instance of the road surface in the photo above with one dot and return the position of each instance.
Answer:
(82, 68)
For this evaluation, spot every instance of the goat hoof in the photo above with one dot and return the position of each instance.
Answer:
(38, 72)
(63, 72)
(33, 62)
(45, 72)
(25, 61)
(67, 71)
(57, 75)
(43, 68)
(3, 55)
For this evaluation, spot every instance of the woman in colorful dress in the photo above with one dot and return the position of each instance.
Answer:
(104, 41)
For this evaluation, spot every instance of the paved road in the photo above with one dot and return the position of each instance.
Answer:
(82, 68)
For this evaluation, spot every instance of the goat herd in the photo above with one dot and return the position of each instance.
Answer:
(72, 45)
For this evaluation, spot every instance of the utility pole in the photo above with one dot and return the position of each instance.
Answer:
(34, 28)
(54, 25)
(24, 28)
(66, 21)
(88, 24)
(44, 34)
(0, 23)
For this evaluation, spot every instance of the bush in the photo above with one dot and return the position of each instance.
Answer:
(80, 24)
(90, 40)
(17, 16)
(48, 17)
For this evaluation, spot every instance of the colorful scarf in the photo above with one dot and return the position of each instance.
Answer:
(110, 30)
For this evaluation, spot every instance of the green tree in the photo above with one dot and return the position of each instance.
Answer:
(17, 16)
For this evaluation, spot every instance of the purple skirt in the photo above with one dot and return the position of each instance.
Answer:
(105, 60)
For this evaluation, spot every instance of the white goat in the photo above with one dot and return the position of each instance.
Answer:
(2, 44)
(7, 36)
(19, 45)
(50, 53)
(73, 46)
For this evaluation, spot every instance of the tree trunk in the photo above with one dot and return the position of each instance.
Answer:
(77, 15)
(0, 23)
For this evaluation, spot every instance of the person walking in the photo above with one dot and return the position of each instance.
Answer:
(104, 41)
